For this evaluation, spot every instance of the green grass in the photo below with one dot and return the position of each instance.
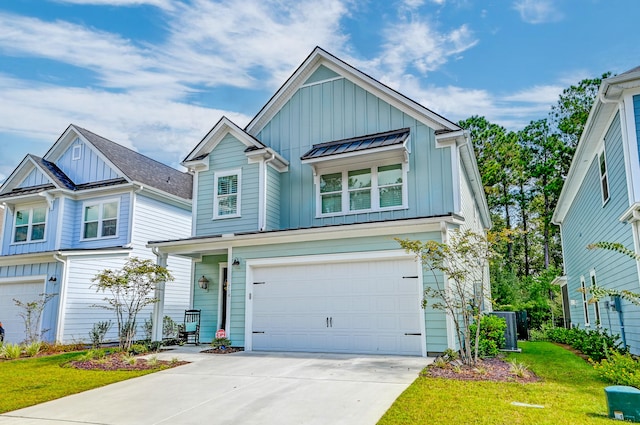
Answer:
(36, 380)
(570, 392)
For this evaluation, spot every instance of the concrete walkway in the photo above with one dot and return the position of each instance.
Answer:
(240, 388)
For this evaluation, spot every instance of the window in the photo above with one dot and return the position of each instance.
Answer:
(596, 305)
(363, 190)
(227, 196)
(585, 304)
(30, 224)
(76, 152)
(604, 182)
(100, 220)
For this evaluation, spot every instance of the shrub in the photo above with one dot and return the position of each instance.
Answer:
(10, 351)
(169, 328)
(594, 343)
(221, 343)
(619, 369)
(33, 348)
(98, 333)
(519, 369)
(138, 349)
(491, 335)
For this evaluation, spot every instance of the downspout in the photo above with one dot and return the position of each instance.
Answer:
(158, 306)
(263, 219)
(62, 298)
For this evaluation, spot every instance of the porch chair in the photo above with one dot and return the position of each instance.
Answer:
(189, 331)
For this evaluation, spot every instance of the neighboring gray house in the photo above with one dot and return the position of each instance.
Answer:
(295, 216)
(87, 205)
(600, 202)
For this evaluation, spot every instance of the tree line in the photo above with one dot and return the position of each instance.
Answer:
(523, 173)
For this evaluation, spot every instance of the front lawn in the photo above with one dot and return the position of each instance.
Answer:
(26, 382)
(570, 392)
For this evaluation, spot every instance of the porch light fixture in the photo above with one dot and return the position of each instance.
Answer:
(53, 279)
(236, 261)
(203, 282)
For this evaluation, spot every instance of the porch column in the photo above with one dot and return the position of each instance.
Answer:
(158, 307)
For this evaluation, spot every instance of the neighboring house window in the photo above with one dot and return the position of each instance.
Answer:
(30, 224)
(227, 196)
(367, 189)
(604, 181)
(76, 152)
(596, 304)
(585, 304)
(100, 220)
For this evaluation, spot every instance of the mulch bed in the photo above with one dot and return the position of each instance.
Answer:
(118, 362)
(495, 369)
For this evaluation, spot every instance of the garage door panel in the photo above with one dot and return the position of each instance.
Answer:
(10, 313)
(369, 303)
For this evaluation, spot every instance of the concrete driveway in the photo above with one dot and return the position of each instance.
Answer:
(240, 388)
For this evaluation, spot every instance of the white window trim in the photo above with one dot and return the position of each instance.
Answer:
(100, 219)
(604, 177)
(76, 152)
(237, 172)
(585, 305)
(596, 304)
(29, 225)
(375, 189)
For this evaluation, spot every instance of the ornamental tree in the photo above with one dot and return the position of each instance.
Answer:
(131, 289)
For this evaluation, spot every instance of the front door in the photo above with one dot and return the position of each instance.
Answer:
(223, 300)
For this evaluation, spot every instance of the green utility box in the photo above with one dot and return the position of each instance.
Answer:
(623, 402)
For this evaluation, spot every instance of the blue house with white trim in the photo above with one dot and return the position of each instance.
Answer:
(600, 202)
(86, 205)
(295, 215)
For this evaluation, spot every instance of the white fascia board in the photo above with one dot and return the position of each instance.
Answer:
(192, 246)
(321, 57)
(470, 167)
(163, 196)
(277, 161)
(559, 280)
(22, 171)
(223, 127)
(94, 253)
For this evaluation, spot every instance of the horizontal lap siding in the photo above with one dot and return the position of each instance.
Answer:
(155, 220)
(435, 319)
(207, 300)
(339, 109)
(587, 222)
(228, 155)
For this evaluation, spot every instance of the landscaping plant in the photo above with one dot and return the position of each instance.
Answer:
(32, 311)
(221, 343)
(492, 338)
(131, 290)
(98, 333)
(620, 369)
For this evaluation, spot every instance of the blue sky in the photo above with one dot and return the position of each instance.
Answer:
(156, 75)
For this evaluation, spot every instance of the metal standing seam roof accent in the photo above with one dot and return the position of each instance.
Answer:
(356, 144)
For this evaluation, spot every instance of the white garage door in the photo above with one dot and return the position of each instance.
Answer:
(11, 321)
(356, 307)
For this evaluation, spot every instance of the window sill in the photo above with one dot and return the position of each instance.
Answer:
(224, 217)
(369, 211)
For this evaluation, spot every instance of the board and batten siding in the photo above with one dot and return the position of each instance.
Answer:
(339, 109)
(228, 155)
(51, 227)
(435, 322)
(589, 221)
(25, 271)
(88, 168)
(273, 199)
(34, 178)
(155, 220)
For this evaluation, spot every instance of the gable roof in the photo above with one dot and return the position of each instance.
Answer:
(320, 57)
(139, 168)
(254, 147)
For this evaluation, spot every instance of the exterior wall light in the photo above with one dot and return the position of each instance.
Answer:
(203, 282)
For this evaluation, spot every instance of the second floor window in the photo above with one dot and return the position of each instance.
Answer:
(100, 220)
(362, 190)
(30, 224)
(227, 195)
(604, 181)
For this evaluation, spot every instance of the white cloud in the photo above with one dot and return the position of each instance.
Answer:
(163, 4)
(538, 94)
(537, 11)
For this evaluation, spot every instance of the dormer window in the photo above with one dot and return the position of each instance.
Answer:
(30, 224)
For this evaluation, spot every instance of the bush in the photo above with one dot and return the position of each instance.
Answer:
(98, 333)
(33, 348)
(138, 349)
(594, 343)
(221, 343)
(491, 335)
(10, 351)
(619, 369)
